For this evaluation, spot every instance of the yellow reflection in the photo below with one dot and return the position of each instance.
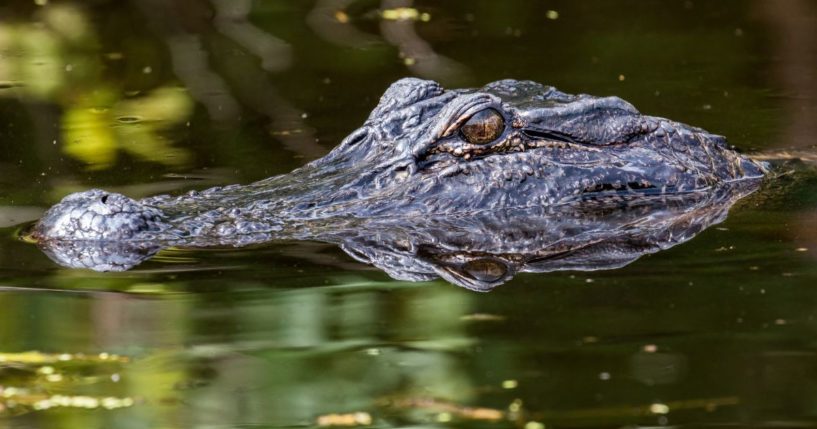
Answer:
(34, 357)
(404, 14)
(88, 402)
(88, 137)
(51, 61)
(95, 136)
(350, 419)
(41, 381)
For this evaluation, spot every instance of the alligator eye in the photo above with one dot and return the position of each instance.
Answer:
(484, 127)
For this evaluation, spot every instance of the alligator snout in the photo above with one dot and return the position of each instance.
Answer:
(97, 215)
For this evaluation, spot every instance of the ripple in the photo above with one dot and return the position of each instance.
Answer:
(129, 119)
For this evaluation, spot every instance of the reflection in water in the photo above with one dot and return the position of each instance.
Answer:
(478, 251)
(287, 359)
(48, 63)
(484, 250)
(794, 35)
(198, 50)
(718, 332)
(34, 381)
(796, 71)
(416, 53)
(331, 21)
(232, 19)
(385, 353)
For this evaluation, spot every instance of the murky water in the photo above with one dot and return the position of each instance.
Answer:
(153, 96)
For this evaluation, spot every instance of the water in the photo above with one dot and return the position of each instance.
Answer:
(145, 97)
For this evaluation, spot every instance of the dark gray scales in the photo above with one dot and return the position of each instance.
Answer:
(522, 173)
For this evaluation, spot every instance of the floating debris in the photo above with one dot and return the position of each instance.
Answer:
(87, 402)
(15, 401)
(533, 419)
(341, 17)
(348, 419)
(482, 317)
(510, 384)
(453, 409)
(43, 381)
(287, 132)
(35, 357)
(650, 348)
(405, 14)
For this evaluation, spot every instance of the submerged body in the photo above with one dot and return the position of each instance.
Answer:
(428, 153)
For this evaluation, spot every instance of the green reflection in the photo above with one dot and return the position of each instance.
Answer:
(289, 357)
(54, 60)
(94, 135)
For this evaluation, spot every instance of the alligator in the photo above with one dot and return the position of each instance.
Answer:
(472, 185)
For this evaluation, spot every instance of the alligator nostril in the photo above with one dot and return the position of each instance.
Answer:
(104, 199)
(357, 137)
(401, 173)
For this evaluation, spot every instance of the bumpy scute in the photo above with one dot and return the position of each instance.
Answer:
(98, 215)
(409, 175)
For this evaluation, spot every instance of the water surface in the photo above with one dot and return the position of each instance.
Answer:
(153, 96)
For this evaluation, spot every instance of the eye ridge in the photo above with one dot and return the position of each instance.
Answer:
(483, 127)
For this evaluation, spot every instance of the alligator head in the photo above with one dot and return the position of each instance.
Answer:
(429, 152)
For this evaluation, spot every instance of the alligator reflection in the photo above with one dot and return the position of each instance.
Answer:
(478, 251)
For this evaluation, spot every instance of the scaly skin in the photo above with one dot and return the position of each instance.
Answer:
(412, 160)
